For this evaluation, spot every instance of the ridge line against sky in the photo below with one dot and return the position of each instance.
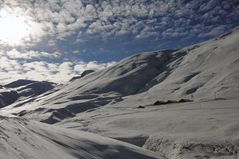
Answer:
(65, 37)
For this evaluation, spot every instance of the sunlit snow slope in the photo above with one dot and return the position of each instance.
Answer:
(23, 139)
(204, 71)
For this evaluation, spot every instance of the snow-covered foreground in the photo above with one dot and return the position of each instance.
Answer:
(186, 130)
(23, 139)
(205, 129)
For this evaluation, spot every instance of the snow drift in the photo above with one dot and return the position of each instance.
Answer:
(23, 139)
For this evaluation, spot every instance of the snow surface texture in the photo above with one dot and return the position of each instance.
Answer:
(117, 102)
(23, 139)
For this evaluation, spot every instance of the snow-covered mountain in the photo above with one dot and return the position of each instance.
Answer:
(21, 90)
(201, 82)
(204, 71)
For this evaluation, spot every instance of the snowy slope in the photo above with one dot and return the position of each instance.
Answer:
(23, 139)
(208, 69)
(117, 102)
(177, 131)
(200, 72)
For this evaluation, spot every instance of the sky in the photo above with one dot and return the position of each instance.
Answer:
(57, 39)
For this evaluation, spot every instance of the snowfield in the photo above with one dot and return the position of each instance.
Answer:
(23, 139)
(178, 131)
(180, 104)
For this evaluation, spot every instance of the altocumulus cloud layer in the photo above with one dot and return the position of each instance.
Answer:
(63, 31)
(64, 18)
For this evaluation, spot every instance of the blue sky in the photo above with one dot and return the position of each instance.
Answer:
(64, 37)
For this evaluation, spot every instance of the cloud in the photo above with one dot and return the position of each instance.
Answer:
(214, 31)
(62, 19)
(28, 55)
(33, 65)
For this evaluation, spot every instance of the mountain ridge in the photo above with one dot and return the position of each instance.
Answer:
(190, 72)
(179, 103)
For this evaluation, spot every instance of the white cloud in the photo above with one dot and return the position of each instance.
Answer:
(26, 55)
(214, 31)
(61, 19)
(35, 65)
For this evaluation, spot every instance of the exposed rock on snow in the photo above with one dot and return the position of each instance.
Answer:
(86, 72)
